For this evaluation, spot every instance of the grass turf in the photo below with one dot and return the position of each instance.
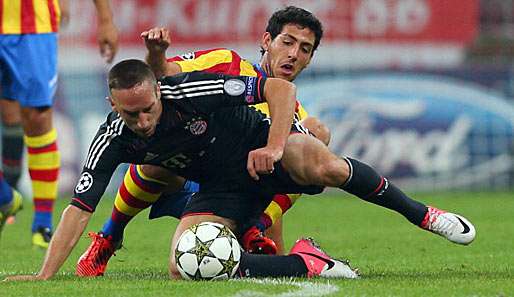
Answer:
(395, 258)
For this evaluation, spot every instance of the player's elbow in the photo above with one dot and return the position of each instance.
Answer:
(279, 88)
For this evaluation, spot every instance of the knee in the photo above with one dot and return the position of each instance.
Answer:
(318, 129)
(155, 172)
(173, 271)
(11, 112)
(37, 121)
(334, 173)
(11, 119)
(37, 115)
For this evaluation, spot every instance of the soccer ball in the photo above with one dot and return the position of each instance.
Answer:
(207, 251)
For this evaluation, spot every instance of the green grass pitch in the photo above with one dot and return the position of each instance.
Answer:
(394, 257)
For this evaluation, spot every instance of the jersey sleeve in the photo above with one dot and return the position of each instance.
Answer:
(300, 112)
(209, 92)
(217, 60)
(103, 157)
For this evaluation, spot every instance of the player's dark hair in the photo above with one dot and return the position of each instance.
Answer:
(128, 73)
(296, 16)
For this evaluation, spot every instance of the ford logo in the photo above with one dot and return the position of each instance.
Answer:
(425, 132)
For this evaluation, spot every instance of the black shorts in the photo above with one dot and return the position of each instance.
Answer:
(229, 191)
(239, 207)
(244, 201)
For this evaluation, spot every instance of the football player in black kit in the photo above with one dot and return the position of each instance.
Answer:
(196, 125)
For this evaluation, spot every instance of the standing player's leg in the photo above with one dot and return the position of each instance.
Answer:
(309, 161)
(10, 201)
(44, 164)
(31, 60)
(12, 140)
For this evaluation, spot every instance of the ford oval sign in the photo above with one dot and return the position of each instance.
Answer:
(425, 132)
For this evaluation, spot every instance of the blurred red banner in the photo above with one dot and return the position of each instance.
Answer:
(244, 21)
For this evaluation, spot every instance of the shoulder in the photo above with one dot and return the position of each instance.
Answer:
(112, 127)
(106, 145)
(180, 79)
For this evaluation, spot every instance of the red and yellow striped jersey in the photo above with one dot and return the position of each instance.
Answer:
(225, 61)
(29, 16)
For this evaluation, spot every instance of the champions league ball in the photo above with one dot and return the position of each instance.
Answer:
(207, 251)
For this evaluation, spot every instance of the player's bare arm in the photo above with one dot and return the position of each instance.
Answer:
(107, 34)
(73, 222)
(65, 12)
(280, 96)
(157, 40)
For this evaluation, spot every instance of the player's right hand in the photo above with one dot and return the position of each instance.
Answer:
(107, 37)
(261, 161)
(156, 39)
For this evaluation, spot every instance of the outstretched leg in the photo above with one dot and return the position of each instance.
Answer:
(309, 162)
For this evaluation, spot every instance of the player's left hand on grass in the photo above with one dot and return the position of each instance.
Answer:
(31, 277)
(261, 161)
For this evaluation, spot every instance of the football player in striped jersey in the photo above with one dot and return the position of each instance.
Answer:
(28, 55)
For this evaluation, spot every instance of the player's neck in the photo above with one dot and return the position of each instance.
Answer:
(265, 65)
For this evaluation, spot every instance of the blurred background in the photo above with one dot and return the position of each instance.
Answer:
(421, 89)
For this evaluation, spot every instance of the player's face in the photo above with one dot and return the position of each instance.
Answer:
(289, 53)
(140, 107)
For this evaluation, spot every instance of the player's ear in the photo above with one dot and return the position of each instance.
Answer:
(158, 90)
(266, 41)
(111, 102)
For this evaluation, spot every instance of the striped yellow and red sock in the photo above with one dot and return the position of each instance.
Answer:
(276, 209)
(136, 193)
(44, 163)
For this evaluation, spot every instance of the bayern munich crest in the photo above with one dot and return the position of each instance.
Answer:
(198, 127)
(85, 183)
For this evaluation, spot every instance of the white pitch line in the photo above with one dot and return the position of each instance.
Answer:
(304, 288)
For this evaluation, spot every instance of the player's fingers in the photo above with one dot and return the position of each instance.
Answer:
(166, 35)
(107, 52)
(20, 278)
(263, 164)
(250, 167)
(270, 165)
(144, 34)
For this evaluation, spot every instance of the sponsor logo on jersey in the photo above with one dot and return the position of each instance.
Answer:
(85, 183)
(234, 87)
(250, 98)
